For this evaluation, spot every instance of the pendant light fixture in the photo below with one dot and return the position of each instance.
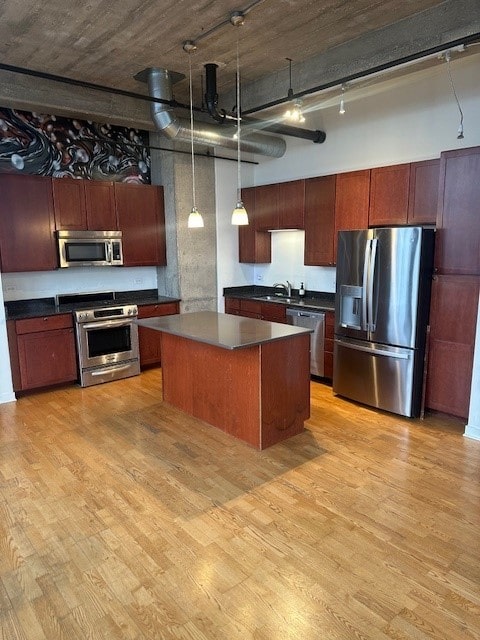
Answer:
(195, 219)
(293, 113)
(239, 214)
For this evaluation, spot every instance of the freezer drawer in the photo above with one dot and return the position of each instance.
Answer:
(377, 375)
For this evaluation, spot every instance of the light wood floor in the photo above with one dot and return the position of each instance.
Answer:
(120, 517)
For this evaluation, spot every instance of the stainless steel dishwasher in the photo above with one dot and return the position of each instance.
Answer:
(311, 320)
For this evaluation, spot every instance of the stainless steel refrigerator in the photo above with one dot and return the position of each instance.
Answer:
(381, 316)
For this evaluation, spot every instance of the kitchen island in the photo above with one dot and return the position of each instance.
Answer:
(250, 378)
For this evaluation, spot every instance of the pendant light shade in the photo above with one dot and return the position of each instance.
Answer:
(195, 219)
(239, 214)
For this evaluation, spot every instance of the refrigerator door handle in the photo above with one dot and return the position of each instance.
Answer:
(371, 280)
(366, 263)
(374, 352)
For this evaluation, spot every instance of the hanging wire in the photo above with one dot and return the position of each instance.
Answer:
(239, 178)
(460, 128)
(191, 128)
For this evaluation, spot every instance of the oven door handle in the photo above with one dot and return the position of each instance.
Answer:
(105, 324)
(101, 372)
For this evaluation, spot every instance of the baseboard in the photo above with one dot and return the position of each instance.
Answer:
(7, 397)
(472, 432)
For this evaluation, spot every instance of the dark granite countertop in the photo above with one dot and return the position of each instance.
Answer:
(315, 300)
(222, 330)
(36, 307)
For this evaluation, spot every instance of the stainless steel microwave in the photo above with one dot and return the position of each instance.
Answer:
(90, 248)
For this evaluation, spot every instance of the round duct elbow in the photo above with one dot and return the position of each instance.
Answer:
(160, 83)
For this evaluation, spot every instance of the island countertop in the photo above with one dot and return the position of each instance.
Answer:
(222, 330)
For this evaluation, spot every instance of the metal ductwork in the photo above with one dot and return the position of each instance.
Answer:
(211, 99)
(160, 83)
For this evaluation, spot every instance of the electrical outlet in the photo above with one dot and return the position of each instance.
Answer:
(138, 281)
(259, 277)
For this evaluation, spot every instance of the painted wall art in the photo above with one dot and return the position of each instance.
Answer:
(49, 145)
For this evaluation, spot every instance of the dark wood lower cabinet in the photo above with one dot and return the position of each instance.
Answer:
(148, 339)
(42, 351)
(453, 319)
(275, 312)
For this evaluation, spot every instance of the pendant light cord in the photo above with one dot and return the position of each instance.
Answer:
(460, 128)
(239, 179)
(191, 127)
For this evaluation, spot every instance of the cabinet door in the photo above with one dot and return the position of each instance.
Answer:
(149, 339)
(274, 312)
(458, 238)
(423, 197)
(453, 318)
(351, 202)
(266, 207)
(232, 306)
(141, 219)
(42, 351)
(291, 204)
(389, 189)
(69, 204)
(100, 205)
(253, 246)
(319, 221)
(27, 241)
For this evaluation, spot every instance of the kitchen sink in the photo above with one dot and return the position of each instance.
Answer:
(275, 298)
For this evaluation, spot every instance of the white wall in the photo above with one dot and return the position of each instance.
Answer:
(6, 388)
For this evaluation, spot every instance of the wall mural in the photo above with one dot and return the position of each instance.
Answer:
(47, 145)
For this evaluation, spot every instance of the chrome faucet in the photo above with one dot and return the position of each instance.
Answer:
(286, 287)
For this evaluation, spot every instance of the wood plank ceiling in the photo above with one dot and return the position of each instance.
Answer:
(108, 43)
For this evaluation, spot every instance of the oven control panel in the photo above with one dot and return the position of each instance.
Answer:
(106, 313)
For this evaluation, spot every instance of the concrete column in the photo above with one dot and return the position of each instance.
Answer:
(472, 430)
(191, 271)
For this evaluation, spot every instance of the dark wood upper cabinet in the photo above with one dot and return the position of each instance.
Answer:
(27, 224)
(320, 221)
(291, 204)
(423, 196)
(458, 236)
(84, 204)
(266, 207)
(352, 197)
(453, 319)
(253, 246)
(389, 189)
(100, 205)
(69, 203)
(141, 218)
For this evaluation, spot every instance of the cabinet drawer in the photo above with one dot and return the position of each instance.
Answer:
(251, 306)
(160, 309)
(329, 345)
(328, 365)
(45, 323)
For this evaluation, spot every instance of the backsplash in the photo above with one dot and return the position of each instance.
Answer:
(41, 284)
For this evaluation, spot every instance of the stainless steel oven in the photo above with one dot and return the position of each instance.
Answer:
(107, 340)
